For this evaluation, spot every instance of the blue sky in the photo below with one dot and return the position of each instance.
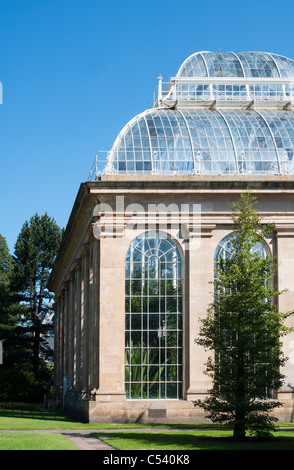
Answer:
(75, 72)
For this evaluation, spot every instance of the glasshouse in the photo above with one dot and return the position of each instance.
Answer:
(134, 274)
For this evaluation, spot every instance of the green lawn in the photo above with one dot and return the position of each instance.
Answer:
(35, 441)
(17, 419)
(191, 437)
(194, 440)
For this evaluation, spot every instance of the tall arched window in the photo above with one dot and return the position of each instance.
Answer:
(229, 337)
(154, 318)
(224, 249)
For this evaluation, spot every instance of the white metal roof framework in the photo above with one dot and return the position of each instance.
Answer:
(223, 113)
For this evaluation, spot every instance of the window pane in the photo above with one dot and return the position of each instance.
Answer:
(154, 318)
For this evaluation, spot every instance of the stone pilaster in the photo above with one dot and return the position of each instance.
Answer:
(61, 340)
(199, 267)
(111, 319)
(57, 354)
(66, 328)
(85, 320)
(77, 341)
(285, 260)
(71, 329)
(95, 313)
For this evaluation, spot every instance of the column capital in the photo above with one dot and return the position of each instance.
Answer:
(201, 230)
(284, 230)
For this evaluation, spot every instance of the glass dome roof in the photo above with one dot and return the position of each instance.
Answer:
(201, 141)
(225, 113)
(241, 64)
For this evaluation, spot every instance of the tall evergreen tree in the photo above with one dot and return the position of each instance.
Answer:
(10, 310)
(243, 328)
(7, 319)
(16, 355)
(34, 255)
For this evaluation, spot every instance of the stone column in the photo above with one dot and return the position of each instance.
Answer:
(61, 339)
(77, 339)
(285, 260)
(199, 273)
(57, 342)
(71, 329)
(90, 319)
(111, 321)
(85, 320)
(66, 330)
(95, 313)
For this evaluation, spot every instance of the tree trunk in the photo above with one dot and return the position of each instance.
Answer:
(239, 428)
(240, 414)
(36, 346)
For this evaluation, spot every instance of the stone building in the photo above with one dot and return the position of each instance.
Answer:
(132, 277)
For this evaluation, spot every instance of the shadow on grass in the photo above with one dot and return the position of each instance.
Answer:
(192, 441)
(37, 415)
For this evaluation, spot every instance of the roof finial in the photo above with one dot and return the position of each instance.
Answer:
(159, 78)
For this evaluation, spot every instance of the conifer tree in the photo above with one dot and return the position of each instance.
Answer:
(34, 255)
(15, 343)
(10, 309)
(243, 328)
(7, 319)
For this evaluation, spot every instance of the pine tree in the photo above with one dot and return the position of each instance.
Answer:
(34, 255)
(10, 309)
(16, 355)
(243, 328)
(6, 323)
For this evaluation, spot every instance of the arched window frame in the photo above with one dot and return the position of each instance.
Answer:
(224, 251)
(154, 317)
(224, 248)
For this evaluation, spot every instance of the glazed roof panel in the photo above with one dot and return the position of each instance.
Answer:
(237, 64)
(162, 141)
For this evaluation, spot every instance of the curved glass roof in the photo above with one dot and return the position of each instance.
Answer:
(241, 64)
(247, 127)
(174, 141)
